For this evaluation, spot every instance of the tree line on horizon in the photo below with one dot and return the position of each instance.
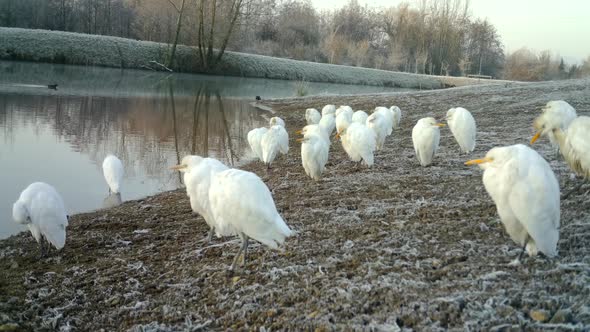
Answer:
(426, 37)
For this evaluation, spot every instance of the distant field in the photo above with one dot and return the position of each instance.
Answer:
(82, 49)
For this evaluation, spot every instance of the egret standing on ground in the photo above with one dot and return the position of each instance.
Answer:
(312, 116)
(314, 153)
(275, 140)
(556, 114)
(397, 116)
(42, 209)
(379, 124)
(574, 144)
(525, 191)
(359, 143)
(255, 140)
(241, 203)
(198, 172)
(112, 168)
(462, 125)
(426, 136)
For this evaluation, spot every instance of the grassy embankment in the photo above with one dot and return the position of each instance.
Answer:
(83, 49)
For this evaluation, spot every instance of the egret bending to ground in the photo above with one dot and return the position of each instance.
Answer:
(198, 172)
(112, 168)
(328, 123)
(276, 121)
(241, 203)
(574, 144)
(328, 109)
(525, 191)
(426, 136)
(379, 124)
(255, 140)
(314, 152)
(42, 209)
(556, 114)
(359, 143)
(275, 140)
(312, 116)
(463, 127)
(360, 117)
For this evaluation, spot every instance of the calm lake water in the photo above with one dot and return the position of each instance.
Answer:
(150, 120)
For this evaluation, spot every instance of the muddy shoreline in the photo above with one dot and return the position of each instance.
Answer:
(393, 247)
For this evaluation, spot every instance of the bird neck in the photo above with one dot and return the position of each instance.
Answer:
(559, 137)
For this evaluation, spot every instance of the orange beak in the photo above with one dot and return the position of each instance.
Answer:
(478, 161)
(299, 132)
(536, 137)
(300, 140)
(178, 167)
(440, 124)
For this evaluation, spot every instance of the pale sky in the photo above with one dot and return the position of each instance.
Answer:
(561, 26)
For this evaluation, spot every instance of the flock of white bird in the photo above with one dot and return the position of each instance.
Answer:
(236, 202)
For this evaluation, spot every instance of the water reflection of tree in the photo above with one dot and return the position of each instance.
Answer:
(149, 134)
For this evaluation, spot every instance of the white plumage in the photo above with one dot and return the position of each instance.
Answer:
(574, 143)
(312, 116)
(198, 172)
(275, 140)
(359, 143)
(462, 125)
(360, 117)
(328, 123)
(328, 109)
(397, 116)
(276, 121)
(426, 136)
(315, 129)
(388, 117)
(526, 193)
(343, 108)
(241, 203)
(314, 153)
(379, 124)
(255, 140)
(42, 209)
(343, 118)
(112, 168)
(556, 114)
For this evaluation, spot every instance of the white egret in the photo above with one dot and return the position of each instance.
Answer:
(328, 123)
(388, 117)
(359, 143)
(397, 116)
(241, 203)
(42, 210)
(275, 140)
(360, 117)
(255, 139)
(426, 136)
(556, 114)
(312, 116)
(275, 120)
(343, 108)
(574, 144)
(462, 125)
(314, 154)
(378, 123)
(198, 172)
(526, 193)
(328, 109)
(112, 168)
(343, 119)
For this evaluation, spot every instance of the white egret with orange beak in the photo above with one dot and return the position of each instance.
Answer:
(462, 125)
(315, 149)
(343, 118)
(359, 143)
(197, 179)
(574, 144)
(315, 129)
(112, 169)
(426, 137)
(312, 116)
(556, 114)
(526, 193)
(42, 210)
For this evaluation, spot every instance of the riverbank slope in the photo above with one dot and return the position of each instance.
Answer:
(397, 245)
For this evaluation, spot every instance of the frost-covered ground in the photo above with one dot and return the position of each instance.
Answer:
(83, 49)
(393, 247)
